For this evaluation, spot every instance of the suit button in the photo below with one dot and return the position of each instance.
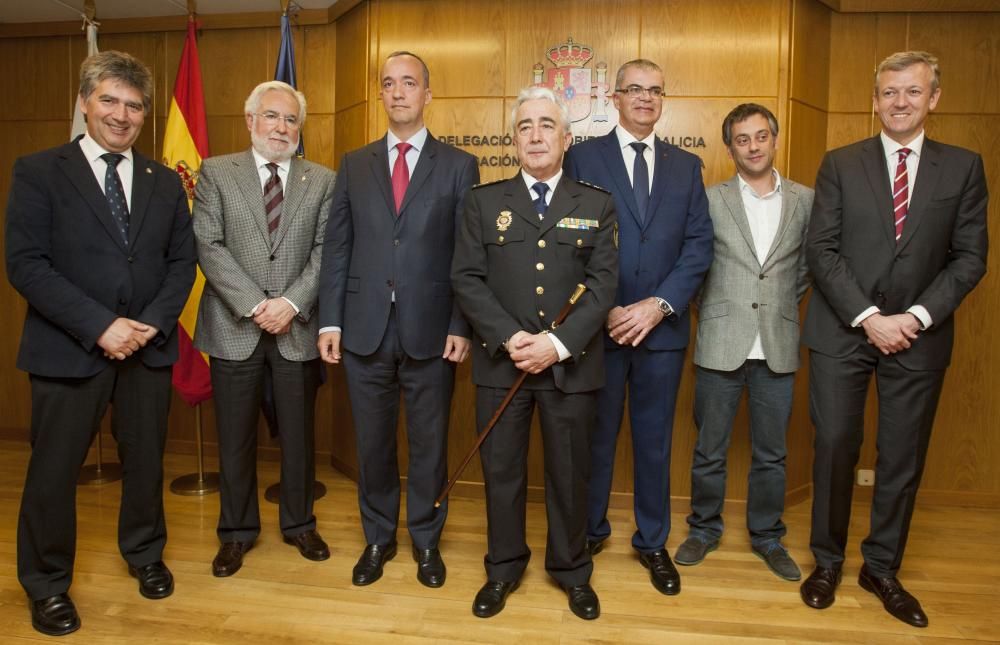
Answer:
(484, 344)
(579, 242)
(540, 266)
(643, 239)
(754, 305)
(880, 295)
(539, 290)
(761, 276)
(541, 314)
(395, 242)
(500, 239)
(267, 293)
(541, 244)
(388, 283)
(131, 259)
(271, 258)
(122, 301)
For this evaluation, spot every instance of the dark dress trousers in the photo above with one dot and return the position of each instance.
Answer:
(372, 255)
(66, 256)
(856, 263)
(512, 272)
(665, 252)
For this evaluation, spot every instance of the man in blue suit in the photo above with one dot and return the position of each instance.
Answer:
(665, 238)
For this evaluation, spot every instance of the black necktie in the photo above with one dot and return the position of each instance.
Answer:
(115, 194)
(540, 206)
(640, 179)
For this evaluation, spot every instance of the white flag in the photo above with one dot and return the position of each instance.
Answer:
(79, 126)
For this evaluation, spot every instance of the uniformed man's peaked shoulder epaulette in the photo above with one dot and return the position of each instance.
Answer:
(594, 186)
(488, 183)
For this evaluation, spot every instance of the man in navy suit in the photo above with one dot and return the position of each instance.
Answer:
(385, 301)
(665, 237)
(99, 244)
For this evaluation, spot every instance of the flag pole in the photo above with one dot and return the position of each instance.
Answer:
(199, 483)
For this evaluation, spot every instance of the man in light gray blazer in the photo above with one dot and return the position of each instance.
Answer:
(748, 338)
(259, 220)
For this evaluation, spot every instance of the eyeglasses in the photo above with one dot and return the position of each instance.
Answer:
(272, 118)
(743, 140)
(636, 91)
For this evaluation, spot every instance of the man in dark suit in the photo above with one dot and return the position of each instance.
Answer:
(386, 301)
(666, 249)
(525, 243)
(259, 220)
(99, 244)
(897, 239)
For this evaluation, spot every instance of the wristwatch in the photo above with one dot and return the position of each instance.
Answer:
(664, 306)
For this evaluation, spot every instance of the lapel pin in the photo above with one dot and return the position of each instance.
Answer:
(149, 171)
(303, 177)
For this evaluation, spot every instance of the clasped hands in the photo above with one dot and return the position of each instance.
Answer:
(274, 316)
(456, 348)
(124, 337)
(891, 334)
(532, 353)
(631, 324)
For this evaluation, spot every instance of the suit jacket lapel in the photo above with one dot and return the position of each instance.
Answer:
(926, 181)
(419, 175)
(734, 201)
(518, 200)
(78, 170)
(615, 163)
(564, 201)
(661, 173)
(248, 177)
(379, 162)
(873, 159)
(295, 190)
(143, 181)
(789, 201)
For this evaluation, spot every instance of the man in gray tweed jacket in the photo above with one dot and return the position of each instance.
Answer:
(259, 219)
(748, 338)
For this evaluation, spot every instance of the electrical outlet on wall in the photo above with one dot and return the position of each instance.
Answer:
(866, 477)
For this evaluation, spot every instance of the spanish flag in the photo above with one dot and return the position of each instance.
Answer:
(185, 144)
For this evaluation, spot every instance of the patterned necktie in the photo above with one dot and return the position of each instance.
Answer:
(640, 179)
(115, 194)
(540, 206)
(273, 197)
(901, 192)
(400, 174)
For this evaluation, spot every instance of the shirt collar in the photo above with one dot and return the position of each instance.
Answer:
(625, 138)
(551, 182)
(417, 140)
(93, 150)
(745, 186)
(892, 147)
(261, 161)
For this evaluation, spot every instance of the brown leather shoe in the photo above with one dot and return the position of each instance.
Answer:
(899, 602)
(229, 559)
(310, 545)
(819, 589)
(155, 580)
(55, 615)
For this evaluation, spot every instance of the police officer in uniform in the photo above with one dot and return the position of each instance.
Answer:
(524, 245)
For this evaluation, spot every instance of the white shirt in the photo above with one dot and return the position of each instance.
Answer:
(263, 174)
(126, 167)
(551, 182)
(891, 149)
(625, 139)
(764, 215)
(416, 142)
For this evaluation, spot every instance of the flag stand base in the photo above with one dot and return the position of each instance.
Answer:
(195, 484)
(99, 473)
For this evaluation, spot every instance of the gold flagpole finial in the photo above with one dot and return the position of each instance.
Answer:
(192, 8)
(284, 7)
(89, 10)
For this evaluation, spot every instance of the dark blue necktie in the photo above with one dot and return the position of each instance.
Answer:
(115, 194)
(640, 179)
(540, 206)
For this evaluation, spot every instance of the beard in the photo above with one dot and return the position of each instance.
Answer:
(267, 148)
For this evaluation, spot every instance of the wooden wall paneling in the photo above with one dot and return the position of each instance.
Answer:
(843, 129)
(460, 42)
(318, 64)
(612, 30)
(25, 61)
(968, 48)
(351, 58)
(317, 137)
(853, 40)
(714, 48)
(233, 63)
(892, 35)
(811, 53)
(807, 132)
(349, 131)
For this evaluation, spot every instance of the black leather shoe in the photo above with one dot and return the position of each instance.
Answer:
(595, 546)
(662, 572)
(310, 545)
(155, 580)
(229, 559)
(55, 615)
(430, 567)
(899, 602)
(820, 587)
(583, 602)
(369, 566)
(492, 597)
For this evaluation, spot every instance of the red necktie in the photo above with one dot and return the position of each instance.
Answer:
(901, 192)
(400, 174)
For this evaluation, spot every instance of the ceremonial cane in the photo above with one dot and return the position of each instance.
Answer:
(580, 288)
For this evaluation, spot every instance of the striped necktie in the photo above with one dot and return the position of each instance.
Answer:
(901, 192)
(273, 197)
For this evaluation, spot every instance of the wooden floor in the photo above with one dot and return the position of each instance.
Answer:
(278, 597)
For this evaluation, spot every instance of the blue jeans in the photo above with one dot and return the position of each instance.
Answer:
(716, 397)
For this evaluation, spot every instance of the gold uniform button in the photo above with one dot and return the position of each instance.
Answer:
(579, 242)
(501, 238)
(541, 244)
(541, 314)
(540, 266)
(539, 290)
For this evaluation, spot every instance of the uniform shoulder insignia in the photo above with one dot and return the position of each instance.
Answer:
(594, 186)
(488, 183)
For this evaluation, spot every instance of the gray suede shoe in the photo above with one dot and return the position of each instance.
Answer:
(777, 560)
(693, 550)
